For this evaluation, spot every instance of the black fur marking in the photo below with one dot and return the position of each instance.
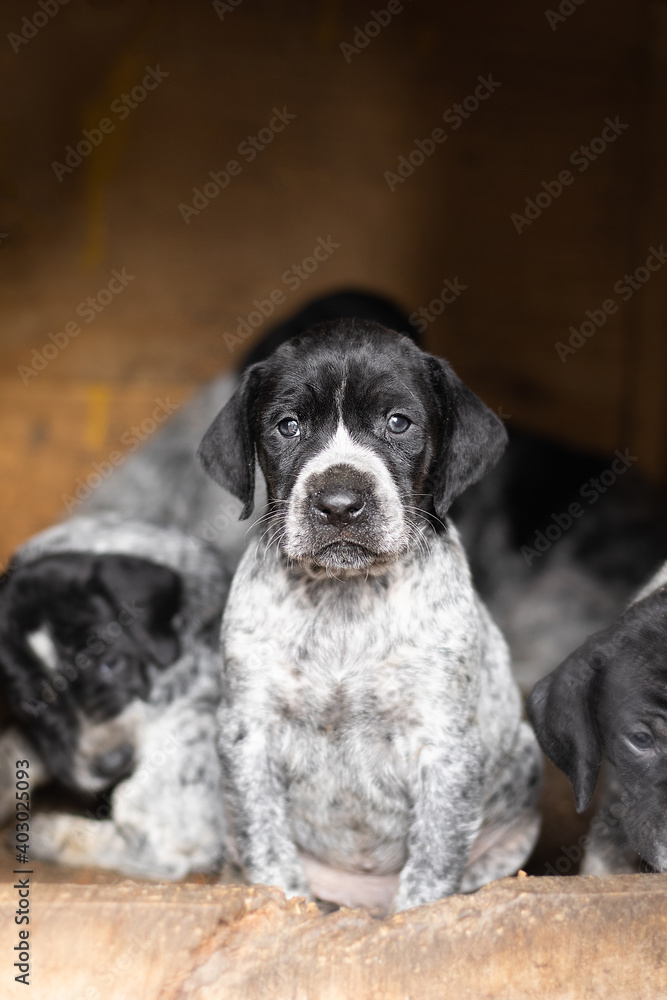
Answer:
(610, 688)
(110, 619)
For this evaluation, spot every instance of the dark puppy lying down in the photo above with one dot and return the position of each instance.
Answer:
(370, 729)
(608, 700)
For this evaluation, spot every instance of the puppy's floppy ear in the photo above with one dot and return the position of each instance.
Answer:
(561, 708)
(227, 450)
(472, 438)
(148, 597)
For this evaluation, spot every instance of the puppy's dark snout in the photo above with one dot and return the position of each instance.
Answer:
(114, 763)
(338, 505)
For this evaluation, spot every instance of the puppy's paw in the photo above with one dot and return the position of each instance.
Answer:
(412, 894)
(52, 835)
(69, 840)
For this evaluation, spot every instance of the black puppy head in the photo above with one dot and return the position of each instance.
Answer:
(562, 709)
(80, 638)
(609, 699)
(361, 437)
(632, 719)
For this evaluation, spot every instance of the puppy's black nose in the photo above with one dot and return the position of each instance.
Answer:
(338, 505)
(114, 763)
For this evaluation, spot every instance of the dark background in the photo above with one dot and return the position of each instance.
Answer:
(323, 177)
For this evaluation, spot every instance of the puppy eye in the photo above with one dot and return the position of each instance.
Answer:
(641, 740)
(113, 665)
(289, 427)
(398, 424)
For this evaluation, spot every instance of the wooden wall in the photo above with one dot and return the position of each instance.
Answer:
(323, 177)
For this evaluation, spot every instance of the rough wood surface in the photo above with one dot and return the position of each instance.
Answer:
(557, 938)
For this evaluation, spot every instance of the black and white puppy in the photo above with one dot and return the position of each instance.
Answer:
(81, 636)
(370, 728)
(108, 639)
(608, 700)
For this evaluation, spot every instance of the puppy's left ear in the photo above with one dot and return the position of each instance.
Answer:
(149, 596)
(227, 450)
(562, 711)
(472, 438)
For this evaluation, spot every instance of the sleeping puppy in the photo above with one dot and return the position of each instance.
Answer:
(108, 637)
(609, 700)
(370, 730)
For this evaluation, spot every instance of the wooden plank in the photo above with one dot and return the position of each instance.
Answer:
(562, 938)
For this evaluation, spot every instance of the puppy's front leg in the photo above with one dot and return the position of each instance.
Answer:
(256, 798)
(446, 817)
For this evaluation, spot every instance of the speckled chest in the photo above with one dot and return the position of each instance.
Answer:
(382, 659)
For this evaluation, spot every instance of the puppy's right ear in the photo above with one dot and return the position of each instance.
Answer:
(472, 438)
(561, 708)
(227, 450)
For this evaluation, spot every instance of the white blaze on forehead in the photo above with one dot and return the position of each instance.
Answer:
(43, 647)
(342, 450)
